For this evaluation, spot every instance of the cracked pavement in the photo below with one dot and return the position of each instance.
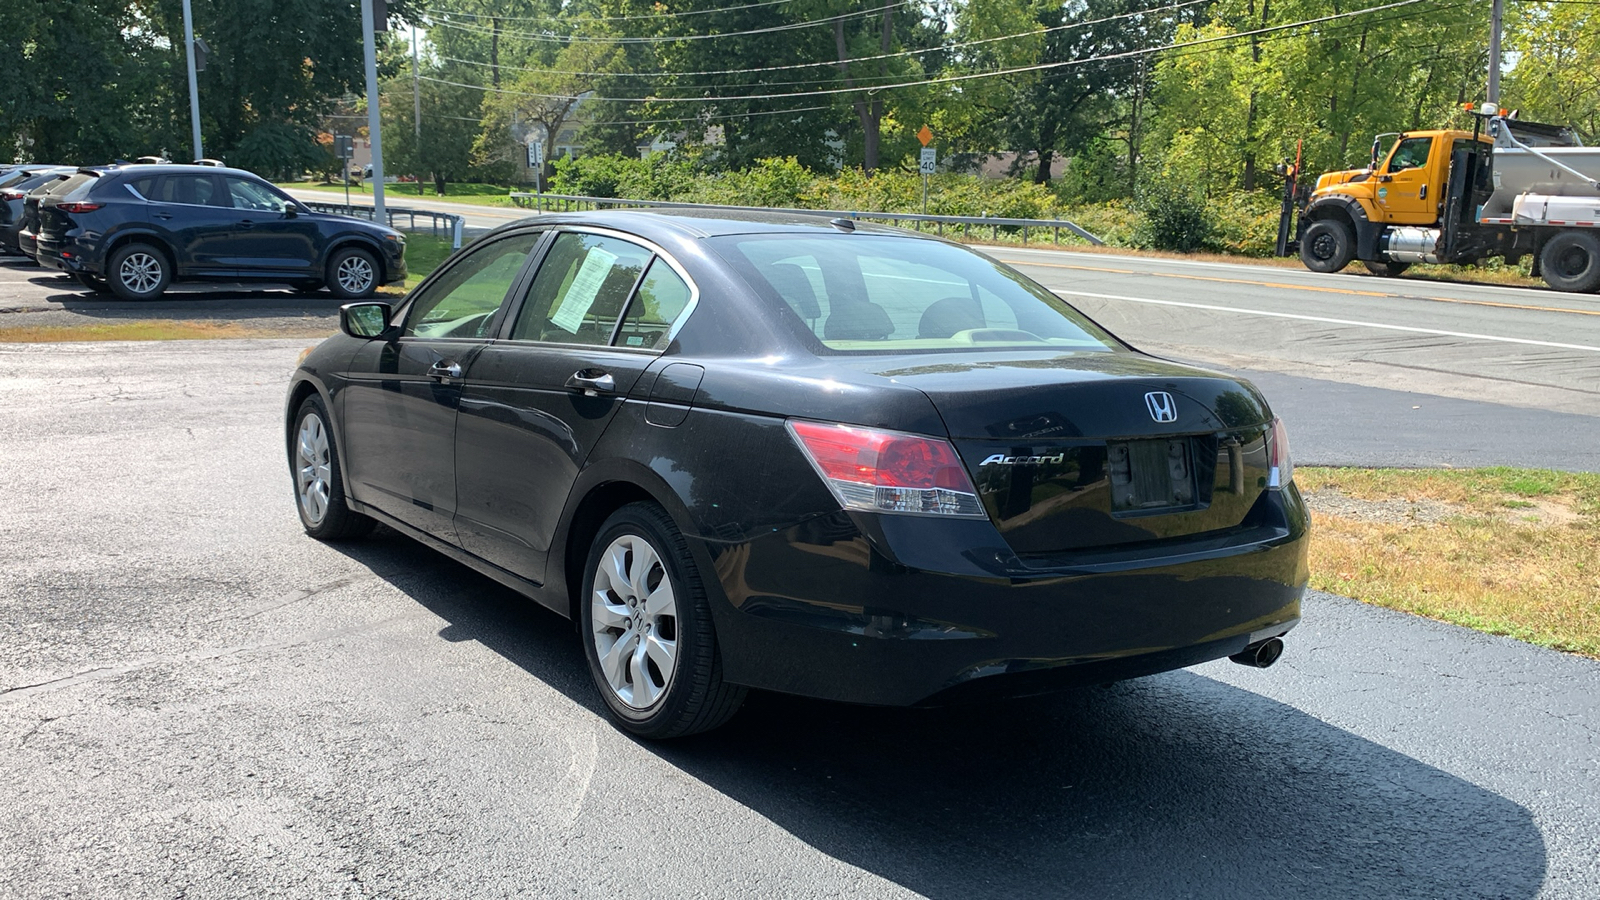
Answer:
(198, 701)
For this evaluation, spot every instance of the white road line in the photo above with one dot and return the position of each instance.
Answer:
(1278, 315)
(1390, 287)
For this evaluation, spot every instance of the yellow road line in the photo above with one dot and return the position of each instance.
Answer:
(1306, 287)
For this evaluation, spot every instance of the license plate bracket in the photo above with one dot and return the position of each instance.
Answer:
(1151, 476)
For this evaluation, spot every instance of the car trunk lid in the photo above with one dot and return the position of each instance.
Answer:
(1075, 451)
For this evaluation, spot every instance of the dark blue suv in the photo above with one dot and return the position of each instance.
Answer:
(135, 229)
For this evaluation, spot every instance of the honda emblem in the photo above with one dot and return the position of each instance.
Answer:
(1161, 407)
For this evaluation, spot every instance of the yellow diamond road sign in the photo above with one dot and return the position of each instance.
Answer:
(925, 135)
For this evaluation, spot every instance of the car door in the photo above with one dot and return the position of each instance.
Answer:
(399, 406)
(191, 212)
(269, 236)
(597, 312)
(1403, 190)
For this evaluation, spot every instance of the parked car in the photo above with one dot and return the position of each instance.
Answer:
(14, 188)
(28, 232)
(141, 227)
(834, 460)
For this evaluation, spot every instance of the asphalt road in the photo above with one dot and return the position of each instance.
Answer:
(197, 700)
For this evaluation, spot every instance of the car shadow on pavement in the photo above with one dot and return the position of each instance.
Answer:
(1175, 785)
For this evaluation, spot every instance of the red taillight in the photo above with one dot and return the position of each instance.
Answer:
(888, 471)
(11, 195)
(78, 207)
(1280, 468)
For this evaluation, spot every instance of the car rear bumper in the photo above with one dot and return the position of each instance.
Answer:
(908, 611)
(67, 254)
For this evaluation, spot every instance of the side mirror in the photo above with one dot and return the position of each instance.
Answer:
(290, 211)
(365, 320)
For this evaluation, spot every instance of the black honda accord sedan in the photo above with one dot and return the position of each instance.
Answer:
(798, 455)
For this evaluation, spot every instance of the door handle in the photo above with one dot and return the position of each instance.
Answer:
(1422, 193)
(592, 382)
(246, 223)
(161, 215)
(444, 370)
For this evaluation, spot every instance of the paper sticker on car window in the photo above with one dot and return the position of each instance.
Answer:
(583, 291)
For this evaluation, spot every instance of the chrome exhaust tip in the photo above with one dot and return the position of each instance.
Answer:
(1260, 655)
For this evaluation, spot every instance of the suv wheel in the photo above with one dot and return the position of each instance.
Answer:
(352, 274)
(138, 272)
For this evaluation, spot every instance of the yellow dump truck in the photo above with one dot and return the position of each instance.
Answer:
(1506, 189)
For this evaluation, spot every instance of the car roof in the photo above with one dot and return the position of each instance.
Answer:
(704, 223)
(170, 169)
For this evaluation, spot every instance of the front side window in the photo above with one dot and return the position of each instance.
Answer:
(247, 194)
(463, 301)
(1412, 153)
(884, 294)
(580, 290)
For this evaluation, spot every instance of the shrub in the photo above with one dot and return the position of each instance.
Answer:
(1172, 218)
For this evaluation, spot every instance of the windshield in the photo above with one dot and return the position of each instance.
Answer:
(886, 294)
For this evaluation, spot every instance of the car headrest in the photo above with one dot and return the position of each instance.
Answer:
(944, 318)
(794, 287)
(859, 320)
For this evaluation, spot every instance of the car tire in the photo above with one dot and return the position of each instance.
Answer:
(1386, 269)
(138, 272)
(97, 285)
(1570, 261)
(318, 480)
(1327, 246)
(352, 273)
(653, 658)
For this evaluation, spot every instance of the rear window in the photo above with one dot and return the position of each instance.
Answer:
(79, 183)
(884, 294)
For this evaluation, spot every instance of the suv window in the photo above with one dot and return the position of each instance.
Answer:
(144, 186)
(247, 194)
(462, 303)
(580, 290)
(196, 190)
(72, 185)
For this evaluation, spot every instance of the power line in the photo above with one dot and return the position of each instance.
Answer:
(669, 39)
(653, 16)
(970, 76)
(833, 62)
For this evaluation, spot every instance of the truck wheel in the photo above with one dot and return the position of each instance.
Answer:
(1385, 269)
(1328, 246)
(1571, 262)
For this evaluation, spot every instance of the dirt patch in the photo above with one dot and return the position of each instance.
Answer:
(1538, 512)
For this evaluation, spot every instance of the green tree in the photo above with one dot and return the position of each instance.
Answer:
(1557, 74)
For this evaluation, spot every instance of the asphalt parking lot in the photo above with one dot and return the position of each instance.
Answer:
(196, 700)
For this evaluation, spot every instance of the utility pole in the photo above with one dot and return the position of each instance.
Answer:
(416, 111)
(374, 113)
(1496, 23)
(194, 90)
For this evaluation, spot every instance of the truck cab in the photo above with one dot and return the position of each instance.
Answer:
(1408, 186)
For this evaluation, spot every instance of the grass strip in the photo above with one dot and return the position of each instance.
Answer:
(1513, 552)
(134, 330)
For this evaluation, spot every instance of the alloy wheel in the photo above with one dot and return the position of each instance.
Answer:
(313, 469)
(140, 272)
(634, 612)
(355, 274)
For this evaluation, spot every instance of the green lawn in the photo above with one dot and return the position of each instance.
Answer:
(475, 194)
(424, 253)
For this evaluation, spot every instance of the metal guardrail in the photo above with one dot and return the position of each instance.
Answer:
(452, 224)
(570, 202)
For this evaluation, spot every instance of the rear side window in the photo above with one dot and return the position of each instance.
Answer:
(144, 186)
(580, 290)
(195, 190)
(661, 298)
